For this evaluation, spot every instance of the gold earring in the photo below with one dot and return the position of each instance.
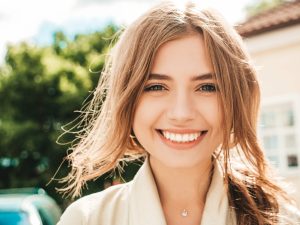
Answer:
(133, 138)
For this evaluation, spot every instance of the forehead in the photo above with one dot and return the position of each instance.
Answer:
(186, 55)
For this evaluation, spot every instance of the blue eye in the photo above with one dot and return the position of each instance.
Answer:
(155, 87)
(207, 88)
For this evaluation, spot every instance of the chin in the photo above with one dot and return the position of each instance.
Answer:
(183, 162)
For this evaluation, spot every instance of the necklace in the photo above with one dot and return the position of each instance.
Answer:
(184, 213)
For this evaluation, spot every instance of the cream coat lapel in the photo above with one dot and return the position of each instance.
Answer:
(216, 204)
(144, 203)
(145, 207)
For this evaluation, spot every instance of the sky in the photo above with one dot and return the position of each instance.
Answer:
(35, 20)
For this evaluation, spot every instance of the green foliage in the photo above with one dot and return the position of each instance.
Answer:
(40, 88)
(261, 5)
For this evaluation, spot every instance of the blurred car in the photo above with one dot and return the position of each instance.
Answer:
(27, 207)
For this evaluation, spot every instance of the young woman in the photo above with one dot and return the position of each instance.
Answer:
(180, 91)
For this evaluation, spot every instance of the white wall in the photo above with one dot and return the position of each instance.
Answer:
(277, 56)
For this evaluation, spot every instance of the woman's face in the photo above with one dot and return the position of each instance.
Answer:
(177, 119)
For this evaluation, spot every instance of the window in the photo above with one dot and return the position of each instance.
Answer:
(268, 119)
(292, 161)
(278, 133)
(274, 160)
(270, 142)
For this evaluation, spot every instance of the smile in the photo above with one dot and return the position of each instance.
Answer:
(181, 139)
(175, 137)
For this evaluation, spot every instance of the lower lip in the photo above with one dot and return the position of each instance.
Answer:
(181, 145)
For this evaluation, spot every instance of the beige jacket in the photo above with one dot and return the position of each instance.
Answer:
(138, 203)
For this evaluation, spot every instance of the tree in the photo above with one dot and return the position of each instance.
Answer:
(40, 88)
(261, 5)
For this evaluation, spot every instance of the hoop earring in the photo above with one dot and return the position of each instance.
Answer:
(133, 139)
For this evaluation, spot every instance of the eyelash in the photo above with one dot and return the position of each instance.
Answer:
(212, 87)
(159, 87)
(155, 87)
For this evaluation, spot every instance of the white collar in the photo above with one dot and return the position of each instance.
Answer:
(145, 207)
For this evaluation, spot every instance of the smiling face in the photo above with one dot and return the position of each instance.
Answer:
(177, 119)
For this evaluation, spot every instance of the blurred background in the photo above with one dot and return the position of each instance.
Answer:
(51, 55)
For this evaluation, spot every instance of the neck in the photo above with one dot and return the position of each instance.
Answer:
(182, 187)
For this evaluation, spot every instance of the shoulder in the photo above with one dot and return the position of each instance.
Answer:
(97, 207)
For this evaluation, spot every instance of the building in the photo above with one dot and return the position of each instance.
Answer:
(273, 40)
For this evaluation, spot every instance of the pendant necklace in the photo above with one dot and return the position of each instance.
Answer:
(184, 213)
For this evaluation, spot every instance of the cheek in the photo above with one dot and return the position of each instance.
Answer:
(143, 123)
(211, 111)
(216, 123)
(213, 116)
(148, 109)
(144, 116)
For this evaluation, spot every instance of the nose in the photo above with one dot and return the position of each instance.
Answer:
(181, 108)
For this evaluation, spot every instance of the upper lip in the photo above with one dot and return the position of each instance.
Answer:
(181, 131)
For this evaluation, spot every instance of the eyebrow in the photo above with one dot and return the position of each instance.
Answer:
(156, 76)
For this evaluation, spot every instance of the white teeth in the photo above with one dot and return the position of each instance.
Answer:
(181, 137)
(185, 137)
(192, 137)
(178, 138)
(172, 136)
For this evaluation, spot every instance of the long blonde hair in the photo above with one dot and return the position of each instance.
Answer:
(105, 139)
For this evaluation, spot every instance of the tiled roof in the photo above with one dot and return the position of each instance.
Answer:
(284, 15)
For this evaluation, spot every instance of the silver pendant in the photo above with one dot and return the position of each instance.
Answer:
(184, 213)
